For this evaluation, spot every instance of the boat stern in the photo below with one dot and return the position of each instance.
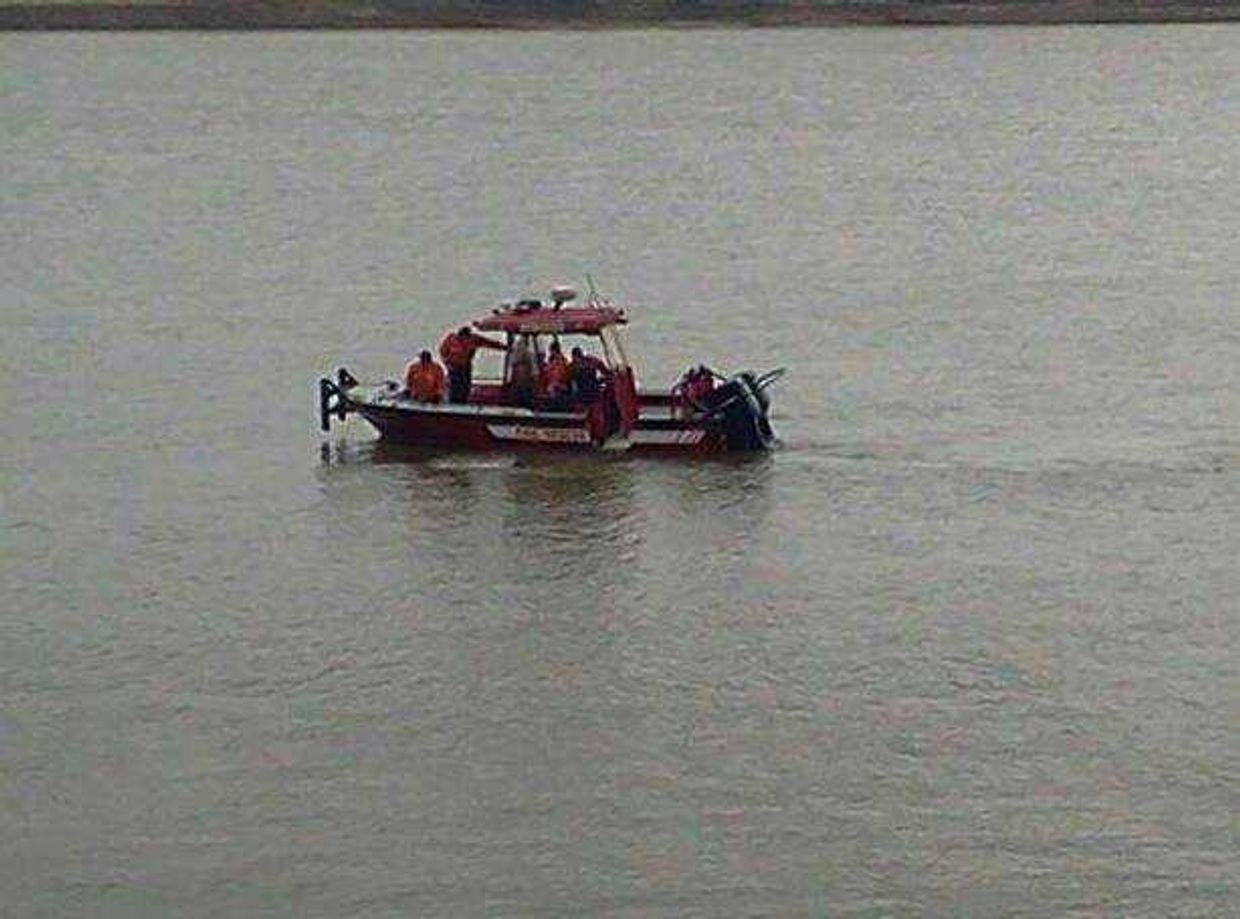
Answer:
(743, 407)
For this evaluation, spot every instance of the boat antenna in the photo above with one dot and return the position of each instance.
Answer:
(593, 295)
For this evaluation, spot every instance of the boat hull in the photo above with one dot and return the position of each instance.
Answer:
(731, 418)
(659, 429)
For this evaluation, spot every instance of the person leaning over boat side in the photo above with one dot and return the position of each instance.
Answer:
(457, 350)
(699, 384)
(425, 379)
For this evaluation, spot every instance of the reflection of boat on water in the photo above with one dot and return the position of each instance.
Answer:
(726, 414)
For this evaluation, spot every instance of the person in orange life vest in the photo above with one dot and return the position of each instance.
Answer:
(556, 378)
(457, 351)
(425, 379)
(588, 373)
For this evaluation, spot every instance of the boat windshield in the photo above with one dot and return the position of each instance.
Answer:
(489, 365)
(497, 366)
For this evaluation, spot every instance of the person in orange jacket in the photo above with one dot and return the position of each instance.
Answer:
(425, 379)
(556, 378)
(457, 350)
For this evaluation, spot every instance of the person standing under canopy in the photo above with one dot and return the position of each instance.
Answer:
(457, 351)
(556, 379)
(425, 379)
(588, 373)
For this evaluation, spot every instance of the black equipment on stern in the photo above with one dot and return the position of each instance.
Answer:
(333, 397)
(741, 404)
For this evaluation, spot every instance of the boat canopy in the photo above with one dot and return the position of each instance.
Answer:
(585, 320)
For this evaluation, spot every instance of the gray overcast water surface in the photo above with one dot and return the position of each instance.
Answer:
(965, 645)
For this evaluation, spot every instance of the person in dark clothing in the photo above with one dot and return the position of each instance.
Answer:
(587, 373)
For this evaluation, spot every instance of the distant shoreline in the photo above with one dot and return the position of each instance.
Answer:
(548, 14)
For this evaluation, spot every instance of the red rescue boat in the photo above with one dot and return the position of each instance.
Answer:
(705, 412)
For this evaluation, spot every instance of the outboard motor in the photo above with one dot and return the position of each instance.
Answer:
(742, 405)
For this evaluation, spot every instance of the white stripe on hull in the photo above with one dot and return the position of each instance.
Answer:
(530, 434)
(524, 433)
(683, 437)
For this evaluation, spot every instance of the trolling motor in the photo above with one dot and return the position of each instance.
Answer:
(334, 399)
